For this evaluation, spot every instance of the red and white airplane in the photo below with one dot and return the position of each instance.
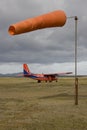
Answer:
(41, 77)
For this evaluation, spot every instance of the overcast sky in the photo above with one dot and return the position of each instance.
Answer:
(46, 50)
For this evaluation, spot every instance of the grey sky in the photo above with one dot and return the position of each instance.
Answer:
(47, 46)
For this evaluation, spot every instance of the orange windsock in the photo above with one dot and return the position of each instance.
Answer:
(53, 19)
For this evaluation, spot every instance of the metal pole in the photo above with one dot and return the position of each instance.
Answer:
(76, 78)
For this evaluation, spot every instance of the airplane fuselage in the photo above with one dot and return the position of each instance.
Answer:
(42, 77)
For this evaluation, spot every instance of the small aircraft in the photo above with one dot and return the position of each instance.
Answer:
(41, 77)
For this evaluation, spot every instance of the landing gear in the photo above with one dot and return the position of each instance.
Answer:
(39, 81)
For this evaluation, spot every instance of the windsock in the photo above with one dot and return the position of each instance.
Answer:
(52, 19)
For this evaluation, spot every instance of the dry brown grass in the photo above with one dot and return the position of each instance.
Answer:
(27, 105)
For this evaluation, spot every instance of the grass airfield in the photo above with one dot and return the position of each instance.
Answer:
(28, 105)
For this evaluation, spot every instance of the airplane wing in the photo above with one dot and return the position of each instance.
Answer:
(58, 74)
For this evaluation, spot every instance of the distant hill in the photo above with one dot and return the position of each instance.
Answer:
(11, 75)
(20, 73)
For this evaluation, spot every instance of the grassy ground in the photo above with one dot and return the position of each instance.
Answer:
(27, 105)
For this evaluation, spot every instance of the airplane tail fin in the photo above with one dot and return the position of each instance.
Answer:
(26, 70)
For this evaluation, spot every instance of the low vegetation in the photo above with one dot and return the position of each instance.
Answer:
(28, 105)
